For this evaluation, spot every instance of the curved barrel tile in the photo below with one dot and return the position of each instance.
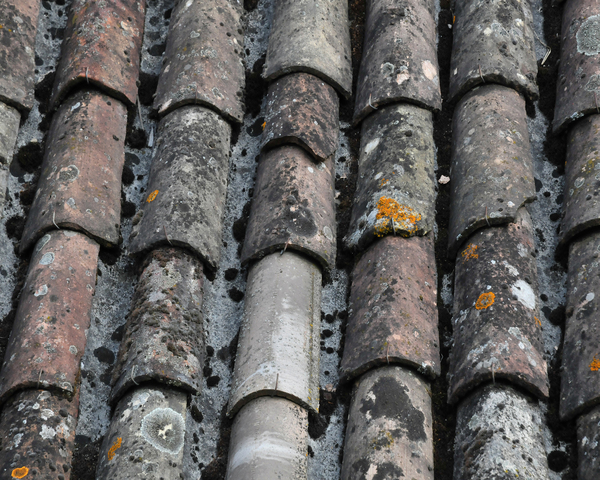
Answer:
(49, 334)
(146, 436)
(278, 350)
(203, 59)
(578, 85)
(580, 380)
(399, 62)
(302, 109)
(187, 186)
(389, 432)
(293, 207)
(312, 37)
(164, 337)
(393, 308)
(493, 42)
(395, 191)
(497, 332)
(80, 182)
(269, 440)
(588, 443)
(102, 47)
(492, 167)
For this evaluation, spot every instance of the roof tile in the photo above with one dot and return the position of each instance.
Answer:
(9, 129)
(588, 443)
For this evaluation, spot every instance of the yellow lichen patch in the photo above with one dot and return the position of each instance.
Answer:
(393, 216)
(470, 252)
(538, 322)
(485, 300)
(152, 196)
(20, 472)
(595, 365)
(264, 125)
(114, 448)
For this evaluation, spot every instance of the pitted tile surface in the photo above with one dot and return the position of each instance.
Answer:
(588, 443)
(492, 167)
(395, 191)
(80, 181)
(399, 62)
(49, 334)
(393, 304)
(304, 110)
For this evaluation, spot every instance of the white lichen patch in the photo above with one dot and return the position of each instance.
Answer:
(164, 429)
(524, 293)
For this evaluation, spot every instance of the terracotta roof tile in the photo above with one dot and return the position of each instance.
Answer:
(588, 442)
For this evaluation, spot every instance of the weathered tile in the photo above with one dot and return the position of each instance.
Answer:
(269, 441)
(304, 110)
(499, 435)
(293, 207)
(497, 332)
(389, 432)
(19, 19)
(578, 85)
(492, 167)
(164, 336)
(588, 443)
(9, 129)
(399, 62)
(102, 48)
(4, 173)
(312, 37)
(395, 191)
(49, 334)
(146, 436)
(393, 307)
(187, 185)
(203, 59)
(37, 430)
(80, 182)
(581, 203)
(278, 349)
(580, 381)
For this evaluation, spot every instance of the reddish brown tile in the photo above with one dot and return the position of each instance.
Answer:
(49, 334)
(80, 182)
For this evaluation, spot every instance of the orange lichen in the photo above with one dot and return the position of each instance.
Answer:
(384, 181)
(595, 365)
(264, 125)
(114, 448)
(152, 196)
(538, 321)
(470, 252)
(395, 215)
(485, 300)
(20, 472)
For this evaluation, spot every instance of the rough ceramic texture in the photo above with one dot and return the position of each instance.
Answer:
(102, 48)
(580, 381)
(497, 331)
(80, 181)
(389, 432)
(146, 436)
(302, 109)
(164, 335)
(17, 55)
(37, 430)
(278, 349)
(578, 85)
(399, 61)
(499, 435)
(186, 190)
(492, 167)
(588, 443)
(48, 337)
(269, 441)
(393, 309)
(395, 191)
(204, 59)
(312, 37)
(9, 129)
(293, 207)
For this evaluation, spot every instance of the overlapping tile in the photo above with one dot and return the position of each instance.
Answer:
(393, 308)
(588, 443)
(395, 192)
(302, 109)
(187, 185)
(203, 58)
(278, 349)
(80, 181)
(578, 85)
(497, 332)
(493, 42)
(389, 432)
(492, 167)
(399, 62)
(293, 207)
(312, 37)
(146, 436)
(102, 48)
(49, 334)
